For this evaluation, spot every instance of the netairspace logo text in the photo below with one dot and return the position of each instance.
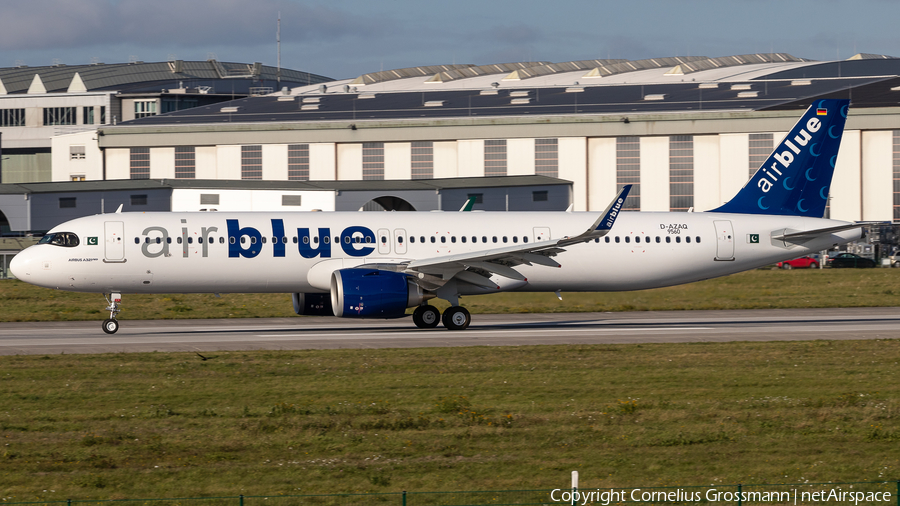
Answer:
(612, 496)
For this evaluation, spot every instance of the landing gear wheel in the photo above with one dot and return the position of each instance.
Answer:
(426, 317)
(456, 318)
(110, 326)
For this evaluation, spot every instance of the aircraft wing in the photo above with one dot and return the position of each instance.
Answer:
(475, 267)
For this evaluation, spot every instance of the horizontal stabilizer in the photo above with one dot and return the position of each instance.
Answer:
(808, 235)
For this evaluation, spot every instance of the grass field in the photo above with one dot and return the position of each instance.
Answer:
(749, 290)
(170, 425)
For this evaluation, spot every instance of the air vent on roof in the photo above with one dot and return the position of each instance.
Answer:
(285, 98)
(488, 92)
(709, 86)
(655, 96)
(520, 101)
(434, 103)
(736, 87)
(574, 89)
(365, 95)
(309, 107)
(801, 82)
(748, 94)
(311, 100)
(520, 93)
(235, 108)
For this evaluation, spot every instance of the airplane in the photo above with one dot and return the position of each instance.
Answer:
(377, 265)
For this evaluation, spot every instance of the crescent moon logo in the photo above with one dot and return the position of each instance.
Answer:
(844, 110)
(821, 102)
(812, 150)
(784, 183)
(833, 158)
(832, 135)
(800, 208)
(760, 204)
(807, 175)
(822, 193)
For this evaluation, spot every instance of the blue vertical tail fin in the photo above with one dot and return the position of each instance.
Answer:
(795, 179)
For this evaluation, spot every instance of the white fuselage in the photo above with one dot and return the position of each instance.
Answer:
(193, 252)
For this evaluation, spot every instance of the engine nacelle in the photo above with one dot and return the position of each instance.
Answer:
(372, 293)
(312, 304)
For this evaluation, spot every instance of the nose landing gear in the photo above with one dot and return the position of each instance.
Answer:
(111, 324)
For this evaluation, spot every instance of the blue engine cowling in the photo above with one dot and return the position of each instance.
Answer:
(372, 293)
(312, 304)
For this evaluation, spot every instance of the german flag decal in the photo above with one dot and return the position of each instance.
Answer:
(821, 112)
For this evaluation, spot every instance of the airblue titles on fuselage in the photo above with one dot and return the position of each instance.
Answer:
(247, 242)
(353, 246)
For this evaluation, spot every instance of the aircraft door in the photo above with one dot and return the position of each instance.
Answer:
(384, 241)
(541, 234)
(724, 240)
(114, 241)
(400, 245)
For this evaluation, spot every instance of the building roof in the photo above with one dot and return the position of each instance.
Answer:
(676, 84)
(140, 76)
(216, 184)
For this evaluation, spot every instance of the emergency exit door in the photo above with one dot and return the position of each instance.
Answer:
(724, 240)
(114, 243)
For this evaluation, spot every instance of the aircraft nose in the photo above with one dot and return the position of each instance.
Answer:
(20, 265)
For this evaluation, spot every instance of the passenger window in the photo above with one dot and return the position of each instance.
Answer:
(515, 238)
(617, 239)
(295, 240)
(463, 238)
(400, 239)
(627, 239)
(453, 239)
(306, 240)
(191, 240)
(243, 240)
(422, 239)
(606, 238)
(253, 240)
(657, 239)
(137, 240)
(668, 238)
(525, 238)
(698, 239)
(678, 239)
(597, 240)
(504, 238)
(687, 239)
(180, 240)
(168, 240)
(383, 239)
(412, 239)
(474, 239)
(231, 240)
(483, 238)
(443, 238)
(199, 240)
(222, 240)
(326, 239)
(433, 239)
(347, 239)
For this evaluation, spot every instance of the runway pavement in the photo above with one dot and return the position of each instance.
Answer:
(486, 330)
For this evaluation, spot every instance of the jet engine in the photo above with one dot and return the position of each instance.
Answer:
(373, 293)
(312, 304)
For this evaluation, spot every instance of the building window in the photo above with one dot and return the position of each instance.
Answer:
(139, 200)
(209, 199)
(422, 160)
(681, 172)
(102, 114)
(495, 157)
(628, 170)
(184, 162)
(77, 177)
(144, 108)
(539, 196)
(546, 157)
(761, 146)
(140, 163)
(12, 117)
(292, 200)
(59, 116)
(298, 162)
(373, 160)
(251, 162)
(76, 153)
(896, 175)
(66, 202)
(87, 115)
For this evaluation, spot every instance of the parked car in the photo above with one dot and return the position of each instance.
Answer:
(800, 263)
(850, 260)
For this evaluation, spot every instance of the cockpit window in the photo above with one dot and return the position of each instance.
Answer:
(64, 239)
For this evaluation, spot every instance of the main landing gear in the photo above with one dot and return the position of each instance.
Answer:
(111, 324)
(454, 317)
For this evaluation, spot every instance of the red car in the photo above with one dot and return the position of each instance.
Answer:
(800, 263)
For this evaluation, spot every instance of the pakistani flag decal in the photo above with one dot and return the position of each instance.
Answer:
(92, 241)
